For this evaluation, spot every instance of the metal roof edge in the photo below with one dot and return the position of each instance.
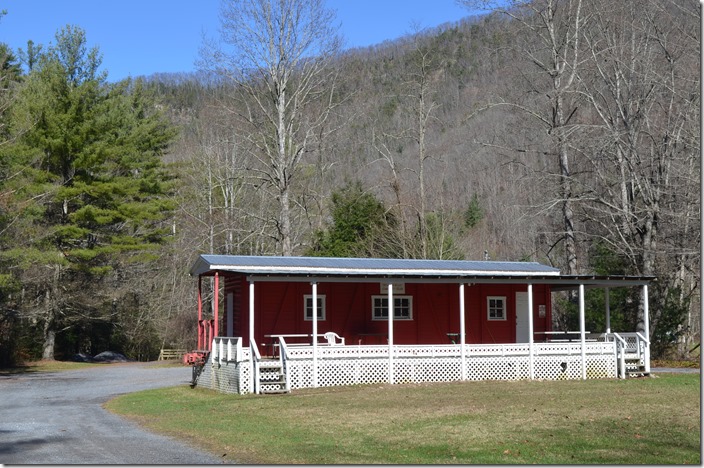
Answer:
(365, 266)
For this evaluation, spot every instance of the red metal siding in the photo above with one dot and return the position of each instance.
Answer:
(279, 309)
(238, 287)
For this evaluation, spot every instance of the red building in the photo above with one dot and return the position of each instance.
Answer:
(273, 303)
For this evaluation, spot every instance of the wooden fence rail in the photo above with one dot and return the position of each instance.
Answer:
(171, 353)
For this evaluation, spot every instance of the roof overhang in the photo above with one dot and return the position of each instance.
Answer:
(309, 269)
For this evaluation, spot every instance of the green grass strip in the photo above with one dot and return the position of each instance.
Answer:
(635, 421)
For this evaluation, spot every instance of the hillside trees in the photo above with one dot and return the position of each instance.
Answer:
(548, 34)
(89, 198)
(413, 165)
(641, 82)
(278, 55)
(616, 89)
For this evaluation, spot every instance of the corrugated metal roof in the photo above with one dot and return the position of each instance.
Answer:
(324, 266)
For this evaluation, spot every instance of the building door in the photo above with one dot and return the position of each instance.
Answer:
(522, 331)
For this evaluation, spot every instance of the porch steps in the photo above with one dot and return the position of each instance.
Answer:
(635, 367)
(272, 378)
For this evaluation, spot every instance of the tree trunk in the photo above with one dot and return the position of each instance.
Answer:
(49, 328)
(285, 224)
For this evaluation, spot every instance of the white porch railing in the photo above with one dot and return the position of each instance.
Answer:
(229, 368)
(232, 368)
(366, 364)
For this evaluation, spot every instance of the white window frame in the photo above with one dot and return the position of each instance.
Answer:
(489, 308)
(308, 306)
(380, 303)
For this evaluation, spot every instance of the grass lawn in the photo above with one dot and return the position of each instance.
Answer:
(634, 421)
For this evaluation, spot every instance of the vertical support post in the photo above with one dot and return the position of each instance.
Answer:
(390, 312)
(315, 334)
(216, 304)
(201, 331)
(581, 332)
(646, 319)
(463, 358)
(251, 313)
(607, 301)
(254, 383)
(531, 350)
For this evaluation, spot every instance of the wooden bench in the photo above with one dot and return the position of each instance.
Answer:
(170, 353)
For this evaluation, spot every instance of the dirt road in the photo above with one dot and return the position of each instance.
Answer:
(57, 418)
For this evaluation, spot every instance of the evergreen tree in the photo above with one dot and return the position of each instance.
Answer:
(359, 228)
(9, 321)
(90, 194)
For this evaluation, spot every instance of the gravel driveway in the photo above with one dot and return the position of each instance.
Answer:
(57, 418)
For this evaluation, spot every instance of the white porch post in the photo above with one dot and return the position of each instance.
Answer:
(252, 382)
(463, 360)
(390, 313)
(251, 313)
(581, 331)
(315, 334)
(608, 310)
(646, 319)
(531, 350)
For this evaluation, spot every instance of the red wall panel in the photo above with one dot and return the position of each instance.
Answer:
(279, 309)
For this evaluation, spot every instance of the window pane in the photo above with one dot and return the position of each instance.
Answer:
(496, 308)
(308, 315)
(403, 308)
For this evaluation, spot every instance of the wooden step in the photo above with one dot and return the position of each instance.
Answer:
(272, 379)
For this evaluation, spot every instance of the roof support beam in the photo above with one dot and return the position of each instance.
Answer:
(646, 319)
(390, 313)
(251, 337)
(314, 286)
(201, 329)
(216, 305)
(531, 363)
(463, 358)
(582, 337)
(607, 304)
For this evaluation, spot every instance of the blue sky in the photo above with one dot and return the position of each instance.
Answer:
(141, 37)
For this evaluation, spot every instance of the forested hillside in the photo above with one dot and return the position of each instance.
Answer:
(563, 132)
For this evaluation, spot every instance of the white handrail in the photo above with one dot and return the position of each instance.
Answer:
(647, 341)
(646, 351)
(622, 354)
(620, 339)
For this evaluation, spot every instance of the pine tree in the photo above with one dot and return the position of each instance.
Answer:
(89, 193)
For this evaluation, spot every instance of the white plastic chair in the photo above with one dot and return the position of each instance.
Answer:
(333, 338)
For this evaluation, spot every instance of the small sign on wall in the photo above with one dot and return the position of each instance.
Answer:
(541, 311)
(399, 288)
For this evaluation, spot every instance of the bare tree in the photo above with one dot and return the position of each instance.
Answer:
(551, 45)
(641, 84)
(423, 106)
(416, 108)
(278, 55)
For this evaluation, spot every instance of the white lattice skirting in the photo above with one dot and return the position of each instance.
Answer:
(354, 365)
(413, 364)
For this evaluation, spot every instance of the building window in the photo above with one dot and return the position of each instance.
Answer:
(308, 307)
(403, 308)
(496, 307)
